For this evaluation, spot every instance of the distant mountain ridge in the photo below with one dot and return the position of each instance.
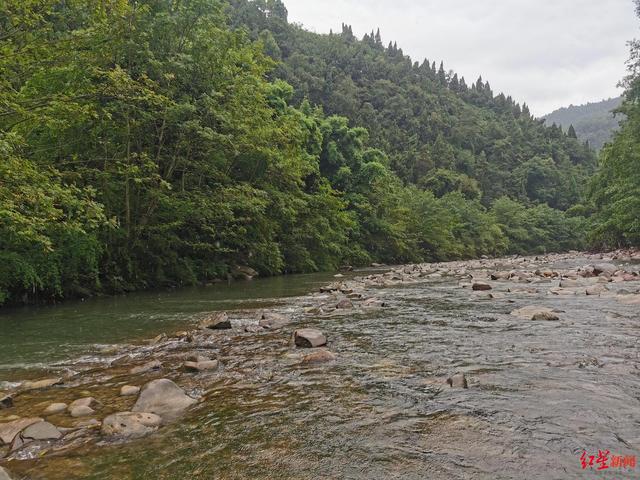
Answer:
(593, 122)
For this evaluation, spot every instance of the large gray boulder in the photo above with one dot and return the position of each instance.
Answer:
(130, 424)
(164, 398)
(4, 475)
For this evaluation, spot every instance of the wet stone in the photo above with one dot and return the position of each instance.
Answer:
(321, 356)
(41, 384)
(41, 431)
(130, 424)
(216, 321)
(164, 398)
(55, 408)
(129, 391)
(84, 402)
(4, 475)
(201, 366)
(81, 411)
(273, 320)
(9, 430)
(479, 287)
(309, 338)
(458, 381)
(147, 367)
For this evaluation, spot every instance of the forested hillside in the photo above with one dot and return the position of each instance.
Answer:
(152, 144)
(616, 187)
(439, 131)
(593, 122)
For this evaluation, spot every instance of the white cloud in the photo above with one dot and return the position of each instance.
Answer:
(548, 53)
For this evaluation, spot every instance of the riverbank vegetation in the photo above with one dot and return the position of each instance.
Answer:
(155, 144)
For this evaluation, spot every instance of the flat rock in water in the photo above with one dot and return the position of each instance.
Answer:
(596, 289)
(458, 381)
(164, 398)
(130, 424)
(55, 408)
(41, 431)
(606, 268)
(309, 338)
(39, 384)
(84, 402)
(548, 316)
(321, 356)
(81, 411)
(479, 287)
(273, 320)
(129, 391)
(147, 367)
(9, 430)
(629, 299)
(201, 366)
(345, 303)
(216, 321)
(529, 311)
(4, 475)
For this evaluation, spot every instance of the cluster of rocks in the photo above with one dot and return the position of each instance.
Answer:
(186, 354)
(157, 402)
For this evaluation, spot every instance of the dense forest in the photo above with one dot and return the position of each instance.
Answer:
(594, 123)
(154, 144)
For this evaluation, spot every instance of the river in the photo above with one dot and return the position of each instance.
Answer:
(540, 392)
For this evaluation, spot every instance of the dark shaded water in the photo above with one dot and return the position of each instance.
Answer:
(539, 392)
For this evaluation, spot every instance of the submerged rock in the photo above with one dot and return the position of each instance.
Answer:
(216, 321)
(321, 356)
(596, 289)
(129, 391)
(530, 311)
(164, 398)
(458, 381)
(309, 338)
(130, 424)
(81, 411)
(345, 303)
(40, 384)
(604, 268)
(548, 316)
(84, 402)
(147, 367)
(273, 320)
(480, 286)
(201, 366)
(55, 408)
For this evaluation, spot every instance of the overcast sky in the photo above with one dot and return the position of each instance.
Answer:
(548, 53)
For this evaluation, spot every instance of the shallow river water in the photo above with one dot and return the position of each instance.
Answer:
(540, 392)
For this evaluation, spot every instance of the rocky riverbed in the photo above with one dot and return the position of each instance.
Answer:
(395, 342)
